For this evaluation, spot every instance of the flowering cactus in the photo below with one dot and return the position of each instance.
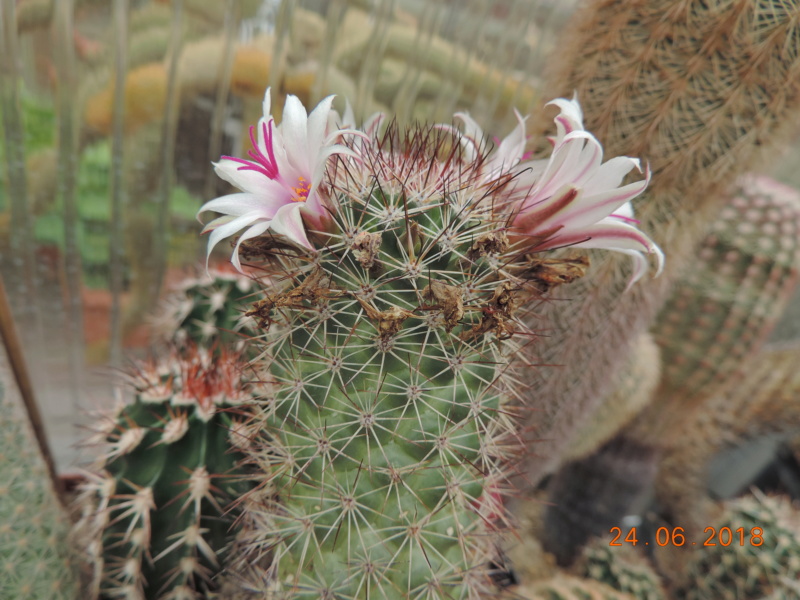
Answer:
(400, 265)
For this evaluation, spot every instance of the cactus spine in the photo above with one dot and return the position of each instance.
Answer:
(35, 557)
(155, 506)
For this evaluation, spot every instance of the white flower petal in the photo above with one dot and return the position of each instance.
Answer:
(612, 172)
(289, 223)
(221, 232)
(571, 116)
(317, 125)
(246, 180)
(238, 205)
(512, 148)
(294, 134)
(252, 232)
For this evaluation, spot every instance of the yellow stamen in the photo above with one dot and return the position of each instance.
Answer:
(301, 191)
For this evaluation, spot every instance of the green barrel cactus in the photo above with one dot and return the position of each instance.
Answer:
(399, 272)
(155, 506)
(208, 311)
(36, 560)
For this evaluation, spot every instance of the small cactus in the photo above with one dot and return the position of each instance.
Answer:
(623, 568)
(155, 504)
(209, 311)
(762, 559)
(568, 587)
(36, 560)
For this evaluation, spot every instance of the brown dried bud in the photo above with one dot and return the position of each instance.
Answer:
(488, 243)
(447, 298)
(365, 248)
(546, 274)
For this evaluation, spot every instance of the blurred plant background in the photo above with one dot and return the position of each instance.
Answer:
(112, 112)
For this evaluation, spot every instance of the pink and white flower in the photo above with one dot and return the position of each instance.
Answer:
(574, 199)
(281, 182)
(504, 158)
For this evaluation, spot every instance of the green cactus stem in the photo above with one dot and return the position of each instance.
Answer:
(208, 310)
(155, 507)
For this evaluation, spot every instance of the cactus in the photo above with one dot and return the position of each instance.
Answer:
(657, 78)
(398, 274)
(761, 561)
(568, 587)
(622, 568)
(155, 513)
(208, 311)
(390, 419)
(728, 302)
(632, 391)
(761, 403)
(35, 557)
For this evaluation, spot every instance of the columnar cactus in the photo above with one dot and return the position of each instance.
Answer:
(727, 303)
(155, 506)
(400, 270)
(36, 560)
(698, 89)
